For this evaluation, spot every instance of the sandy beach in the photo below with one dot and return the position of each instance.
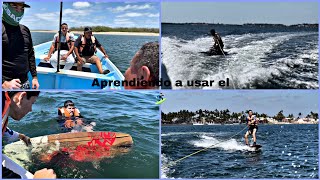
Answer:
(106, 33)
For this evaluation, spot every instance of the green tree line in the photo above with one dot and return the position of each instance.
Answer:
(222, 116)
(119, 29)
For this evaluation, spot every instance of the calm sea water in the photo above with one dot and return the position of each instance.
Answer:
(258, 57)
(134, 113)
(288, 151)
(120, 48)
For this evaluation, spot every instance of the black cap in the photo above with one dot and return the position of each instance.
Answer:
(24, 4)
(87, 29)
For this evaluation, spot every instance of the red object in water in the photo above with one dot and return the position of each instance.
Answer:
(98, 147)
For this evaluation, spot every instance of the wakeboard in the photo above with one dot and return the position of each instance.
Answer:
(161, 101)
(256, 147)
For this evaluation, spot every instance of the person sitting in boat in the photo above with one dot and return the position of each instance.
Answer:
(252, 128)
(218, 45)
(85, 49)
(144, 66)
(66, 48)
(69, 115)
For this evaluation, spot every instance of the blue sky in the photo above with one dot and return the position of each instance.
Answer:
(45, 15)
(287, 12)
(269, 102)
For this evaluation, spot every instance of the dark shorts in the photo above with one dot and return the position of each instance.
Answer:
(251, 128)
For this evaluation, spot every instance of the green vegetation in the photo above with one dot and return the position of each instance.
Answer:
(120, 29)
(224, 117)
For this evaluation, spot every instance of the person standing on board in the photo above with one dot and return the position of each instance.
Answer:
(144, 66)
(252, 128)
(17, 104)
(85, 48)
(18, 57)
(66, 49)
(218, 45)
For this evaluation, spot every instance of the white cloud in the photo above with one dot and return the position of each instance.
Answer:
(133, 14)
(80, 5)
(153, 15)
(130, 7)
(76, 12)
(43, 9)
(51, 16)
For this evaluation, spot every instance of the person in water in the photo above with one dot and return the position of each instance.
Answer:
(66, 48)
(218, 45)
(17, 104)
(18, 58)
(69, 116)
(252, 128)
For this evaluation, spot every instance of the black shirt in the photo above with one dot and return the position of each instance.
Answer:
(88, 49)
(17, 53)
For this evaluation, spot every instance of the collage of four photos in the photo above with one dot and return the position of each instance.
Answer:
(160, 90)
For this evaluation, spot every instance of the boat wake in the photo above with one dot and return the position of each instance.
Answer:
(264, 60)
(211, 142)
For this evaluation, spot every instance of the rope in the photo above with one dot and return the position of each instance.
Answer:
(174, 162)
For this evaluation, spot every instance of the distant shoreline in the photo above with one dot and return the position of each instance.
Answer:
(238, 124)
(248, 24)
(105, 33)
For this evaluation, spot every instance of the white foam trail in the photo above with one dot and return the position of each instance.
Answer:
(243, 66)
(164, 168)
(208, 141)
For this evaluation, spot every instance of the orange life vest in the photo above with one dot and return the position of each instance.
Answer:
(68, 41)
(83, 43)
(5, 112)
(66, 113)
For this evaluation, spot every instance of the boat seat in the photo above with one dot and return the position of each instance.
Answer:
(86, 65)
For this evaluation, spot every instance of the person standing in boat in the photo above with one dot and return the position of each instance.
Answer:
(66, 49)
(218, 45)
(17, 104)
(18, 57)
(252, 128)
(85, 49)
(144, 66)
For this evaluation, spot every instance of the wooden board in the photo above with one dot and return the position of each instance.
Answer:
(80, 146)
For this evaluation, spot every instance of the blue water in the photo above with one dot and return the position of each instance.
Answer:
(120, 48)
(276, 57)
(134, 113)
(288, 151)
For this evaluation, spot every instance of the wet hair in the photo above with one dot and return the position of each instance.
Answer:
(213, 32)
(67, 103)
(249, 110)
(64, 24)
(148, 56)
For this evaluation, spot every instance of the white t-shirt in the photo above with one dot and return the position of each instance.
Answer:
(63, 38)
